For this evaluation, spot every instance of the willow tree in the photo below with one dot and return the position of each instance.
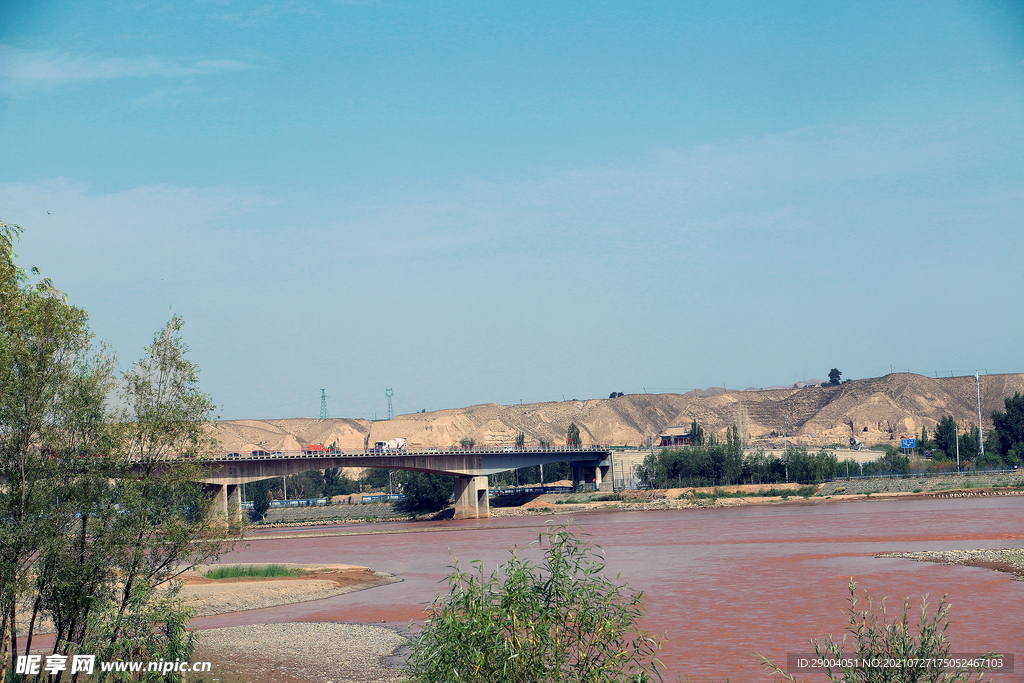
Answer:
(101, 504)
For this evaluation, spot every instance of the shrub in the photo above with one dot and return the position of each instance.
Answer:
(561, 620)
(875, 637)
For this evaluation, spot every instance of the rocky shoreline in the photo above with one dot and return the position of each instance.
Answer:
(1009, 560)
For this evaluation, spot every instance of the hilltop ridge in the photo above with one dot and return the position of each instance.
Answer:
(877, 410)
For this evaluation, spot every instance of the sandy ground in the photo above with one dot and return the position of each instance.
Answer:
(292, 653)
(221, 596)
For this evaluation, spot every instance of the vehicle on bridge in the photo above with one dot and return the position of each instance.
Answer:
(314, 449)
(393, 445)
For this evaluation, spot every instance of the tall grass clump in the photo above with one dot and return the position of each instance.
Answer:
(876, 638)
(260, 571)
(559, 620)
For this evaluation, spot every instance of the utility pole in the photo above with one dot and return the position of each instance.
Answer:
(323, 404)
(391, 412)
(981, 441)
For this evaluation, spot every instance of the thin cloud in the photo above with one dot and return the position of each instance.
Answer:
(269, 11)
(26, 68)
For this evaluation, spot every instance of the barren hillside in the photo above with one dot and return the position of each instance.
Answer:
(877, 410)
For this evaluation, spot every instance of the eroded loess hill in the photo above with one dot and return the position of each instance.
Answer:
(877, 410)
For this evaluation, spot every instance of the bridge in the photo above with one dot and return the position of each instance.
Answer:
(469, 466)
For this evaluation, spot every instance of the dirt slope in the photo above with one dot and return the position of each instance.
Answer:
(877, 410)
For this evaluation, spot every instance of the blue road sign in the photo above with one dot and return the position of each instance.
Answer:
(907, 443)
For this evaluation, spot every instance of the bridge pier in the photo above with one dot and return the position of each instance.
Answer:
(227, 504)
(471, 500)
(598, 474)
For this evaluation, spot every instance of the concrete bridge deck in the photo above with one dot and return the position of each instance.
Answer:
(469, 466)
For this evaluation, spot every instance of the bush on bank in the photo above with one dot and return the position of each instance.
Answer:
(560, 620)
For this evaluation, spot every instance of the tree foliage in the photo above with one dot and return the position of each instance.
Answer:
(101, 504)
(560, 620)
(835, 375)
(426, 492)
(724, 464)
(945, 436)
(260, 502)
(696, 434)
(572, 436)
(1009, 427)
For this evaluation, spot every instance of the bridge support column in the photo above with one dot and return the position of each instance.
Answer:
(219, 510)
(227, 504)
(233, 511)
(603, 478)
(471, 500)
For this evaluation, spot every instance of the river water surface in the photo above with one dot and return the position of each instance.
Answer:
(721, 584)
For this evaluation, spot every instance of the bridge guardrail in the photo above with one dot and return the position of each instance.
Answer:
(363, 453)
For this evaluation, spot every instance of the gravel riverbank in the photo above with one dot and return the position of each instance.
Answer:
(301, 653)
(1010, 560)
(920, 484)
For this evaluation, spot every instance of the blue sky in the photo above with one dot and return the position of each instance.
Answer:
(491, 202)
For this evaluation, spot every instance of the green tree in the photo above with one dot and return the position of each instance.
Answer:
(467, 442)
(336, 483)
(375, 478)
(561, 620)
(834, 375)
(520, 440)
(101, 504)
(969, 444)
(51, 402)
(1009, 427)
(696, 434)
(426, 492)
(945, 436)
(572, 436)
(260, 502)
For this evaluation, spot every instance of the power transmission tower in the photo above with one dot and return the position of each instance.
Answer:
(323, 404)
(391, 411)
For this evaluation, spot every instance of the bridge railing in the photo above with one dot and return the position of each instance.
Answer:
(316, 452)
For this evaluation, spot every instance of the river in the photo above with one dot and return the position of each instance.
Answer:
(721, 584)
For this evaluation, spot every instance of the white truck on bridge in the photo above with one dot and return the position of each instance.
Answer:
(392, 445)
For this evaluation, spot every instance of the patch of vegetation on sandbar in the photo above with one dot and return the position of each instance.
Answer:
(254, 571)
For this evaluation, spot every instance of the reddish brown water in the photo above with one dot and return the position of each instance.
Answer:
(721, 584)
